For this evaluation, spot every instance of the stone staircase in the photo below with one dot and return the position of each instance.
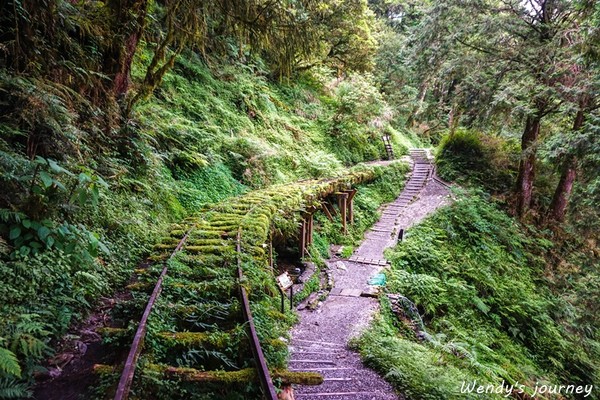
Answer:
(319, 342)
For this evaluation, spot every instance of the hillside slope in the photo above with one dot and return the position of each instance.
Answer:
(80, 215)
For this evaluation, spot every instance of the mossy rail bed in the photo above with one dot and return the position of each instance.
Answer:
(195, 331)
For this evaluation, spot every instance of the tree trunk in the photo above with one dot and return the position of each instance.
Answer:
(526, 175)
(558, 207)
(121, 80)
(560, 200)
(417, 108)
(454, 119)
(129, 18)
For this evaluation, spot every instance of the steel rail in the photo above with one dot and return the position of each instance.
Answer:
(264, 375)
(122, 392)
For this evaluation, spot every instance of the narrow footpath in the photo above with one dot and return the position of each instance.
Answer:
(320, 340)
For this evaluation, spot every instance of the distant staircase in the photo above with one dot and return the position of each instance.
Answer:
(419, 156)
(388, 146)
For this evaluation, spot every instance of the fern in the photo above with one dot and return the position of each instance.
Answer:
(13, 389)
(9, 363)
(10, 216)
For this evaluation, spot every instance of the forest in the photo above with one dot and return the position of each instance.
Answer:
(124, 123)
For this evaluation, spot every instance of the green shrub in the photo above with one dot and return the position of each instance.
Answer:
(477, 278)
(479, 159)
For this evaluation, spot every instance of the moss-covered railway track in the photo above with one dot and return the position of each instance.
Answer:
(216, 322)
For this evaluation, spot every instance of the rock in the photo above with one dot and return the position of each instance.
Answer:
(309, 270)
(371, 291)
(54, 372)
(81, 347)
(61, 360)
(89, 336)
(340, 265)
(336, 249)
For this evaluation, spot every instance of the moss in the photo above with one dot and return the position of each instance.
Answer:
(214, 234)
(177, 233)
(210, 249)
(165, 247)
(170, 240)
(298, 378)
(277, 343)
(197, 339)
(112, 332)
(103, 369)
(194, 375)
(140, 287)
(233, 377)
(200, 260)
(206, 287)
(206, 242)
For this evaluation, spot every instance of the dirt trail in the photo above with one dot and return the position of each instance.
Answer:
(319, 341)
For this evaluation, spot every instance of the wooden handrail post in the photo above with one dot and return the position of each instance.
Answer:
(342, 203)
(351, 194)
(302, 238)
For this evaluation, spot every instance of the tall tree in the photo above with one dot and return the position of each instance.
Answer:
(488, 58)
(581, 87)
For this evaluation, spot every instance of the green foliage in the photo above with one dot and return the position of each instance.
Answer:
(209, 184)
(503, 71)
(584, 145)
(360, 116)
(481, 160)
(234, 119)
(413, 368)
(8, 363)
(478, 279)
(13, 389)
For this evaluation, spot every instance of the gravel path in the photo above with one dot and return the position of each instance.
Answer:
(319, 340)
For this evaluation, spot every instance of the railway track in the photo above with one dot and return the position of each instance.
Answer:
(208, 298)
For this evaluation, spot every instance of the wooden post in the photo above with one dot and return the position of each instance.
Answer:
(306, 234)
(351, 194)
(271, 251)
(326, 211)
(302, 236)
(309, 239)
(343, 205)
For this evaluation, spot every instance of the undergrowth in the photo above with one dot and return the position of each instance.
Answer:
(493, 311)
(471, 157)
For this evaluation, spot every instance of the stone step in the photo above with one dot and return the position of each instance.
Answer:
(342, 391)
(302, 363)
(299, 352)
(364, 260)
(346, 292)
(330, 372)
(315, 343)
(389, 231)
(394, 206)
